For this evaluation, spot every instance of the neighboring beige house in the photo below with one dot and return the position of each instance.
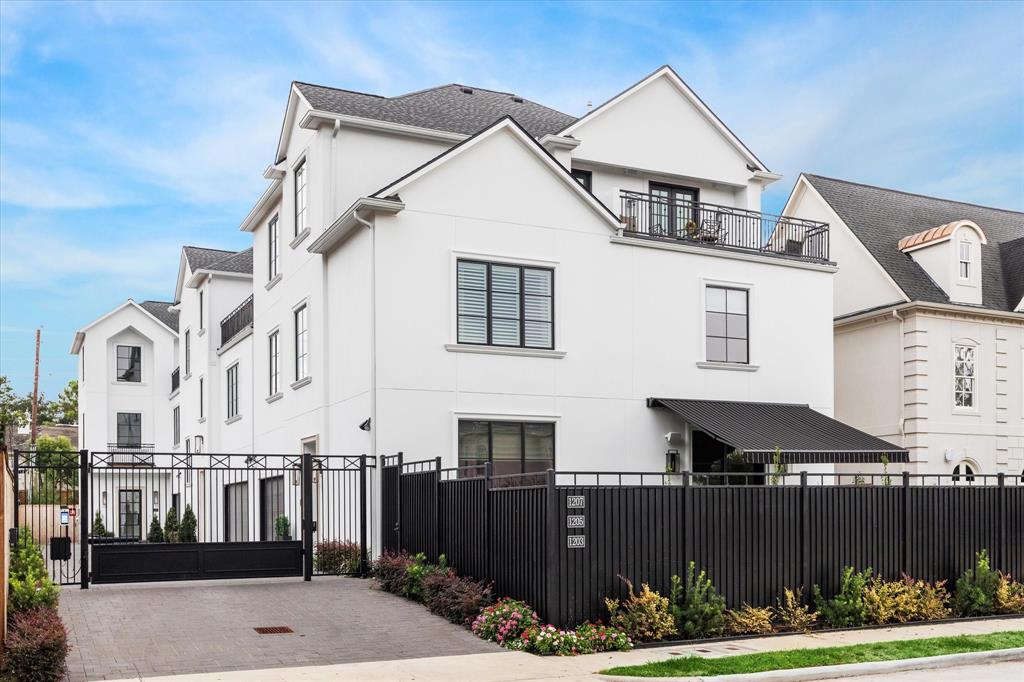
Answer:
(929, 322)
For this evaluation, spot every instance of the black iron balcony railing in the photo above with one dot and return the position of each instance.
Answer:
(129, 455)
(645, 215)
(237, 320)
(175, 379)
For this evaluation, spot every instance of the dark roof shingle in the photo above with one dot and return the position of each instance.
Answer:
(881, 217)
(200, 258)
(161, 310)
(448, 108)
(1012, 253)
(240, 262)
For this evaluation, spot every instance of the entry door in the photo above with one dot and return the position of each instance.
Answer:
(272, 506)
(671, 208)
(236, 512)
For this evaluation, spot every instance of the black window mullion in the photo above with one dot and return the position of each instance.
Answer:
(522, 308)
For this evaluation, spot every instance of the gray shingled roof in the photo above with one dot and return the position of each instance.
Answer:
(446, 108)
(161, 311)
(881, 217)
(200, 258)
(240, 262)
(1013, 270)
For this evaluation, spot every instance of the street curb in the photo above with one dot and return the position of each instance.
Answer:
(850, 669)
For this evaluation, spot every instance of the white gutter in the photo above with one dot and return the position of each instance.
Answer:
(314, 118)
(348, 221)
(257, 211)
(902, 397)
(373, 331)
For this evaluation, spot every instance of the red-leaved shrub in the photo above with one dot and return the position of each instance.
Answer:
(457, 599)
(36, 647)
(390, 571)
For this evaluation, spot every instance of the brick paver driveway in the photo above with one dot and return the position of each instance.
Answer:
(120, 631)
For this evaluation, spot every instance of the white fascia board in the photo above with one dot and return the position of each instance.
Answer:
(294, 97)
(76, 344)
(802, 183)
(766, 178)
(669, 73)
(341, 228)
(272, 172)
(559, 142)
(199, 275)
(597, 163)
(314, 118)
(949, 308)
(256, 213)
(508, 124)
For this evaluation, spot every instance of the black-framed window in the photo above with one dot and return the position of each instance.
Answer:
(201, 310)
(129, 514)
(129, 429)
(273, 238)
(271, 506)
(301, 343)
(584, 177)
(300, 198)
(202, 399)
(274, 356)
(129, 363)
(511, 447)
(188, 352)
(727, 325)
(505, 305)
(236, 512)
(232, 390)
(176, 425)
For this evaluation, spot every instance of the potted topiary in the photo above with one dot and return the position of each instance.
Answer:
(156, 533)
(188, 525)
(282, 528)
(171, 526)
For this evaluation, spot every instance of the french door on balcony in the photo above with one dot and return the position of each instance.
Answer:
(672, 207)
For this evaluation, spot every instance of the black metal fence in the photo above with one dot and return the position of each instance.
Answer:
(563, 544)
(216, 515)
(646, 215)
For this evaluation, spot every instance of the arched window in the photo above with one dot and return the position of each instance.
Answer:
(963, 469)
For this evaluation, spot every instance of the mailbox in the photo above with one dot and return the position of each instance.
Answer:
(60, 549)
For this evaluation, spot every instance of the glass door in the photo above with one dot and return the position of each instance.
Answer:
(673, 210)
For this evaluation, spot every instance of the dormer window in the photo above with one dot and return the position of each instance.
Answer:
(965, 260)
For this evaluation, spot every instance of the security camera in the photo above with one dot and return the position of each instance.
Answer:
(674, 438)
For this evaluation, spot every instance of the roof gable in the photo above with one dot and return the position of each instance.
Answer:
(510, 127)
(147, 308)
(880, 218)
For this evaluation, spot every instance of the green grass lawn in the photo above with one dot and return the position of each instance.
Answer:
(805, 658)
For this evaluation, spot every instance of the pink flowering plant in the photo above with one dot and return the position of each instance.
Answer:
(505, 622)
(597, 637)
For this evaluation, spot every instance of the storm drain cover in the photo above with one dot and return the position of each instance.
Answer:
(274, 630)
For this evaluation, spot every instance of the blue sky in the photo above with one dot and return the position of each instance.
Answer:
(129, 129)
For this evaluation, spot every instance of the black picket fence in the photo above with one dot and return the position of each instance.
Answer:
(563, 541)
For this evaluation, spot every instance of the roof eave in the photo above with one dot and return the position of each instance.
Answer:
(258, 210)
(347, 222)
(314, 118)
(199, 275)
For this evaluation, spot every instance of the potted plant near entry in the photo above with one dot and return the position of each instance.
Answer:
(282, 528)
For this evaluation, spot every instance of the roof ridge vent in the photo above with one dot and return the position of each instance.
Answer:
(466, 91)
(517, 99)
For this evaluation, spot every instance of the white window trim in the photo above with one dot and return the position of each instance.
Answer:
(454, 346)
(702, 340)
(459, 415)
(301, 381)
(970, 260)
(276, 329)
(973, 410)
(238, 395)
(303, 161)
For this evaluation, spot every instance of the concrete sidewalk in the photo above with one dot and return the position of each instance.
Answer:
(520, 667)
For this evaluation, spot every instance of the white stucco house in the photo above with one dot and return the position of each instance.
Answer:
(466, 274)
(929, 323)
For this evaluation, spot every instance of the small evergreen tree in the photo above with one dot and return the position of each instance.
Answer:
(697, 608)
(975, 590)
(99, 530)
(171, 530)
(156, 533)
(188, 525)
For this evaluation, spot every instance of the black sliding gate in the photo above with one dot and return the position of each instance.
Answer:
(133, 516)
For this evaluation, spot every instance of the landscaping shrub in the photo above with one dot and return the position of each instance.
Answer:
(335, 556)
(99, 530)
(187, 532)
(416, 571)
(595, 637)
(30, 583)
(459, 600)
(282, 528)
(36, 646)
(390, 571)
(547, 639)
(643, 617)
(156, 533)
(749, 620)
(698, 611)
(1009, 596)
(792, 614)
(846, 609)
(505, 623)
(171, 529)
(975, 590)
(903, 601)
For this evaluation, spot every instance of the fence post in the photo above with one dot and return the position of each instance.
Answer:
(905, 549)
(83, 516)
(551, 551)
(307, 516)
(687, 524)
(398, 504)
(805, 555)
(363, 559)
(437, 508)
(487, 519)
(17, 493)
(1001, 530)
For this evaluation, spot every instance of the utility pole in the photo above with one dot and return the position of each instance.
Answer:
(35, 396)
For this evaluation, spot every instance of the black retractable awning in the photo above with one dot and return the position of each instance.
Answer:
(803, 435)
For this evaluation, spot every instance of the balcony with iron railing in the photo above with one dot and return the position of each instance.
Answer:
(129, 455)
(175, 379)
(237, 321)
(723, 227)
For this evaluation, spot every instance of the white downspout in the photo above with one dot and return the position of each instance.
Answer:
(902, 399)
(373, 331)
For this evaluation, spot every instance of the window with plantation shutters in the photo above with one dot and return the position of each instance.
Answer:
(505, 305)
